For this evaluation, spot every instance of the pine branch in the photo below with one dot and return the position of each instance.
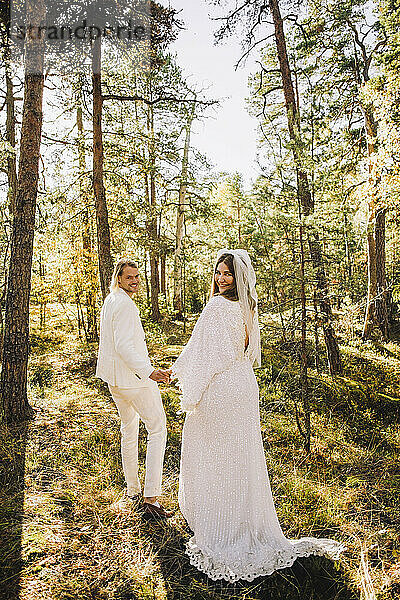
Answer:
(135, 98)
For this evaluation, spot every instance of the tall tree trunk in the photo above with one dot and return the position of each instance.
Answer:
(305, 428)
(146, 278)
(377, 309)
(372, 275)
(162, 274)
(103, 228)
(305, 196)
(316, 336)
(155, 307)
(382, 293)
(180, 220)
(332, 347)
(15, 404)
(42, 275)
(10, 137)
(154, 275)
(152, 282)
(378, 303)
(11, 162)
(88, 265)
(349, 267)
(292, 112)
(238, 210)
(291, 242)
(152, 223)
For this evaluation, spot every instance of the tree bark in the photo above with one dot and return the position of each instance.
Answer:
(382, 293)
(332, 347)
(15, 404)
(154, 275)
(292, 111)
(316, 336)
(152, 225)
(377, 309)
(10, 137)
(305, 429)
(378, 303)
(372, 275)
(103, 228)
(304, 193)
(349, 267)
(88, 265)
(163, 282)
(42, 275)
(378, 298)
(151, 229)
(146, 278)
(180, 220)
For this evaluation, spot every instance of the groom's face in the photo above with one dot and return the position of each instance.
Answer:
(129, 280)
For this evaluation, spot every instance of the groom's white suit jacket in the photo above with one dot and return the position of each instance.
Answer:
(123, 359)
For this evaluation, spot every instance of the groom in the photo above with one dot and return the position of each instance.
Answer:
(123, 362)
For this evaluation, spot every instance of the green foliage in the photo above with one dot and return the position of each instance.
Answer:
(76, 544)
(345, 60)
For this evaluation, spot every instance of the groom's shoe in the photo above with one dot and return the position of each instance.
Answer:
(153, 512)
(126, 503)
(136, 498)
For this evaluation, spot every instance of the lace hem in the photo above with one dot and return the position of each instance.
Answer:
(257, 566)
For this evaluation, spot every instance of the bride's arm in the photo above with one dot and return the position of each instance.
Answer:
(209, 351)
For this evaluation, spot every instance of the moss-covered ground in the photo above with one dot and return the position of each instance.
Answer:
(64, 538)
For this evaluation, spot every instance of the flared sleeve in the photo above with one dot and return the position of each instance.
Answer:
(209, 351)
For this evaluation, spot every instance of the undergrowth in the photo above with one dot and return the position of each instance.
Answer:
(63, 536)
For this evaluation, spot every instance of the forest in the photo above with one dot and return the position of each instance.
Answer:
(98, 162)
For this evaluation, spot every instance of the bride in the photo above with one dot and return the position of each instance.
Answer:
(224, 490)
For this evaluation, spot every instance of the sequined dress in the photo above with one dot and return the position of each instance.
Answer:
(224, 488)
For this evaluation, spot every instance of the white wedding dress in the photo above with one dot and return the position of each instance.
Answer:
(224, 490)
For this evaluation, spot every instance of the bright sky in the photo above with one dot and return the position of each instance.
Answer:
(228, 137)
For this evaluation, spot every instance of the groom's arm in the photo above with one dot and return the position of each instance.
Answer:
(124, 341)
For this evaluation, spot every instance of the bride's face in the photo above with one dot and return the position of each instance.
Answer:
(223, 278)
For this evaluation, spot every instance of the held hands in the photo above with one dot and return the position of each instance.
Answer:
(161, 375)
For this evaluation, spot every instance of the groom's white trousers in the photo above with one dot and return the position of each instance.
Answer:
(141, 403)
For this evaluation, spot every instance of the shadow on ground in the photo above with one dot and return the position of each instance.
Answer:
(12, 469)
(312, 578)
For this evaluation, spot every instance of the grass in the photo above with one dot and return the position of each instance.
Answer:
(61, 531)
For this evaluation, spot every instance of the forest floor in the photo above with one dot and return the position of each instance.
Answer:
(64, 538)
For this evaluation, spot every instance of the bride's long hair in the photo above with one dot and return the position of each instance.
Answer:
(231, 293)
(244, 290)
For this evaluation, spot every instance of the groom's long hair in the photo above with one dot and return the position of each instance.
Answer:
(119, 267)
